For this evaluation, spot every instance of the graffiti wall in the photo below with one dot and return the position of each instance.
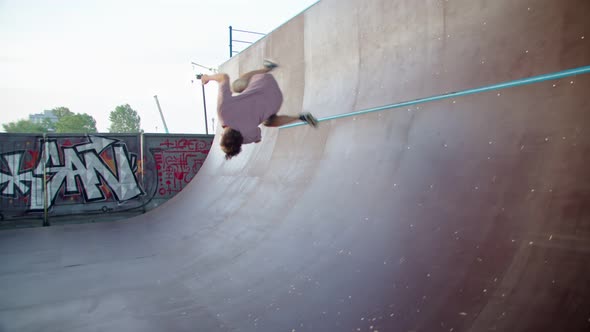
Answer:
(177, 161)
(91, 178)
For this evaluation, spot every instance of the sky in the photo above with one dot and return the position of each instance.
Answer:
(92, 56)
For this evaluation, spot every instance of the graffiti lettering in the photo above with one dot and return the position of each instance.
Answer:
(98, 175)
(14, 179)
(82, 168)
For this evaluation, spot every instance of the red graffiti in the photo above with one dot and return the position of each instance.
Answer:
(178, 161)
(30, 163)
(187, 144)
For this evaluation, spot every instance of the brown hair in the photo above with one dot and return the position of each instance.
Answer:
(231, 143)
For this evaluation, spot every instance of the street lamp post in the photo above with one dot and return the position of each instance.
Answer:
(204, 104)
(203, 89)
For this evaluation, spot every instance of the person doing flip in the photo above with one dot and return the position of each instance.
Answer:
(258, 102)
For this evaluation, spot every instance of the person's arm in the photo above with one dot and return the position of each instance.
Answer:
(219, 78)
(224, 91)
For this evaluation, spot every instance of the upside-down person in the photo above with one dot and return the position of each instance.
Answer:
(258, 102)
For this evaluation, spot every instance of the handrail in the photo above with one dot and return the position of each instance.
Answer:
(252, 32)
(499, 86)
(231, 40)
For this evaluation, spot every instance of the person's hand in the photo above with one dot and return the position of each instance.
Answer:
(205, 79)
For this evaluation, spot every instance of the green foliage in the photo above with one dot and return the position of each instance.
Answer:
(67, 122)
(60, 112)
(124, 120)
(48, 125)
(76, 123)
(24, 126)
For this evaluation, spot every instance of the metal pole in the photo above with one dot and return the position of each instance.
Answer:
(141, 169)
(44, 158)
(205, 108)
(141, 156)
(252, 32)
(231, 53)
(242, 41)
(161, 114)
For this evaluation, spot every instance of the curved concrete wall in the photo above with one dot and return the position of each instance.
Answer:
(467, 214)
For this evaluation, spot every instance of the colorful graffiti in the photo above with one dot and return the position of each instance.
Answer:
(93, 168)
(66, 175)
(177, 162)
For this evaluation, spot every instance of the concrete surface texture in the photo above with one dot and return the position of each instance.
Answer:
(467, 214)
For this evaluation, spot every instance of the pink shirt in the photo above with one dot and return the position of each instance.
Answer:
(246, 111)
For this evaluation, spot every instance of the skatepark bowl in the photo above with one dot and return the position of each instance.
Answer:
(446, 189)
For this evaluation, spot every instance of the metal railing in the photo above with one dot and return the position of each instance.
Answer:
(232, 40)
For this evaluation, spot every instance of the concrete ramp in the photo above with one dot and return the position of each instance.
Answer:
(469, 213)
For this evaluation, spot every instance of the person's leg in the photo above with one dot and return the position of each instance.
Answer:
(280, 120)
(241, 83)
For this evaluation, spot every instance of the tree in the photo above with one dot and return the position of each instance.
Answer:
(53, 116)
(76, 123)
(60, 112)
(24, 126)
(124, 120)
(62, 121)
(70, 122)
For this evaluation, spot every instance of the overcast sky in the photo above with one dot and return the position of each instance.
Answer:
(92, 56)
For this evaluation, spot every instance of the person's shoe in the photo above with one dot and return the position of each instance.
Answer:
(309, 119)
(269, 64)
